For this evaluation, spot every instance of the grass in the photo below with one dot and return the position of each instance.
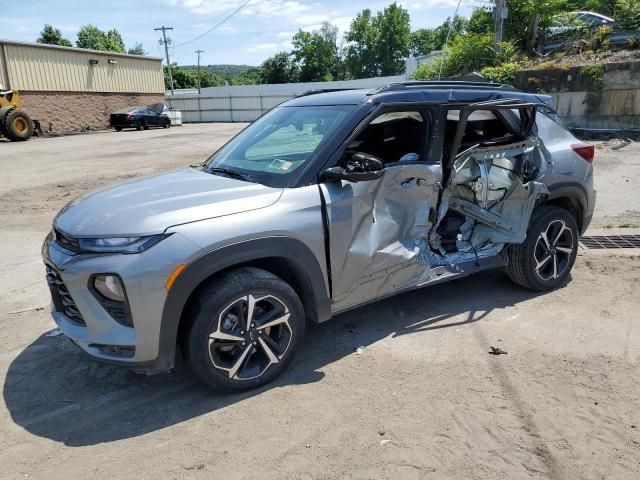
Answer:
(620, 225)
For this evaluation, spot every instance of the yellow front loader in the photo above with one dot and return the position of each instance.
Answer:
(14, 124)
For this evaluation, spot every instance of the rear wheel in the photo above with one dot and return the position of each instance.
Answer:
(118, 129)
(544, 260)
(140, 125)
(166, 125)
(244, 330)
(18, 126)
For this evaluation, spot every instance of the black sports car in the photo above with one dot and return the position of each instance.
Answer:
(140, 117)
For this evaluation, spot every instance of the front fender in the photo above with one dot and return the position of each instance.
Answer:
(212, 262)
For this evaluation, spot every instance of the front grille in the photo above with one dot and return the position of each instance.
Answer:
(65, 241)
(62, 299)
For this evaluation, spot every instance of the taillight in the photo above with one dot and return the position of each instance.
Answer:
(585, 150)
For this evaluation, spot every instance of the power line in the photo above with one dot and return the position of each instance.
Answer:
(166, 51)
(216, 25)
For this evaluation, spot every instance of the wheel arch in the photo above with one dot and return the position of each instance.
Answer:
(571, 197)
(285, 257)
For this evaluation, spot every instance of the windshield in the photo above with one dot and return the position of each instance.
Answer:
(277, 145)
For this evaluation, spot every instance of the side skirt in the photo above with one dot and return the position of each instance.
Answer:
(442, 274)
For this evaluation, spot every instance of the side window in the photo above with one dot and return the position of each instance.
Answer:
(394, 137)
(483, 126)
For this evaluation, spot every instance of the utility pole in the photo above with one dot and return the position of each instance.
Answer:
(499, 15)
(199, 52)
(166, 51)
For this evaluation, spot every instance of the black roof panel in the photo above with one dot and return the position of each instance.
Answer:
(407, 92)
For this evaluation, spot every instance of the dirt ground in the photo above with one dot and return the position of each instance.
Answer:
(423, 399)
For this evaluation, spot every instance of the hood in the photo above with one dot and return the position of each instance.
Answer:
(150, 205)
(157, 107)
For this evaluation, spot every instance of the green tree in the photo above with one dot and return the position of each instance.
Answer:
(362, 44)
(527, 17)
(394, 36)
(182, 77)
(378, 45)
(627, 13)
(250, 77)
(423, 41)
(458, 26)
(113, 42)
(480, 21)
(53, 36)
(138, 49)
(207, 79)
(91, 37)
(279, 69)
(317, 53)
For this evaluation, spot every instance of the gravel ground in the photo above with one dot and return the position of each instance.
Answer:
(423, 399)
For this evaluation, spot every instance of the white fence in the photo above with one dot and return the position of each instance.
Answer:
(247, 102)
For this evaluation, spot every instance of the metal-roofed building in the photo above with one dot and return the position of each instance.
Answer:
(69, 89)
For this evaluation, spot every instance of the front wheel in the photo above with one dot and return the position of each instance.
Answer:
(244, 330)
(544, 260)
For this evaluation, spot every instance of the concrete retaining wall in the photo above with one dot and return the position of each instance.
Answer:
(583, 100)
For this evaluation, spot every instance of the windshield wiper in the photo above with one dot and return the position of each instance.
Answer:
(231, 173)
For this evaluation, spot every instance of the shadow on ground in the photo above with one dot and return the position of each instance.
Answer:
(54, 391)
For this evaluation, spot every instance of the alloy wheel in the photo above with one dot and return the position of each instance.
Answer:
(250, 334)
(553, 250)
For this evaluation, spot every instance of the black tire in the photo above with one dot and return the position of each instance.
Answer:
(166, 125)
(140, 126)
(118, 129)
(240, 360)
(17, 126)
(543, 262)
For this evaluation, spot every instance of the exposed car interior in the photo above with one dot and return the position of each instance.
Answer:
(489, 196)
(393, 137)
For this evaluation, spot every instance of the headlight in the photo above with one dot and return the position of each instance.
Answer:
(120, 244)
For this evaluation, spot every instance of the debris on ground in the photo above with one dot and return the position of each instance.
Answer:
(384, 442)
(359, 350)
(616, 143)
(54, 333)
(497, 351)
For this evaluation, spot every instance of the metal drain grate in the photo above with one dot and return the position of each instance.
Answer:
(611, 241)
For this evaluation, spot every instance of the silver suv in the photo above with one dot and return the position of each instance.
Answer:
(327, 202)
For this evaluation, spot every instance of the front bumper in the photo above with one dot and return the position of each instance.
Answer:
(143, 275)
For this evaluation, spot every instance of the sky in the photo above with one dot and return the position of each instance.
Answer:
(260, 29)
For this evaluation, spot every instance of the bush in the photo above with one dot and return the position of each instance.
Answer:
(600, 39)
(504, 73)
(627, 13)
(508, 53)
(595, 74)
(464, 54)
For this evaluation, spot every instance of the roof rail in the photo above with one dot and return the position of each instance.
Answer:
(322, 90)
(437, 84)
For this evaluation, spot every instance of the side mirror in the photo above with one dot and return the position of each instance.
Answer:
(359, 168)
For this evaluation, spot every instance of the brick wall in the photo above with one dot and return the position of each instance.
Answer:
(65, 112)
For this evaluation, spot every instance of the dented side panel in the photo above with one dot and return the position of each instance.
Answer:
(378, 232)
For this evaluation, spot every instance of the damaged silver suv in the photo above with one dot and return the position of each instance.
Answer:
(327, 202)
